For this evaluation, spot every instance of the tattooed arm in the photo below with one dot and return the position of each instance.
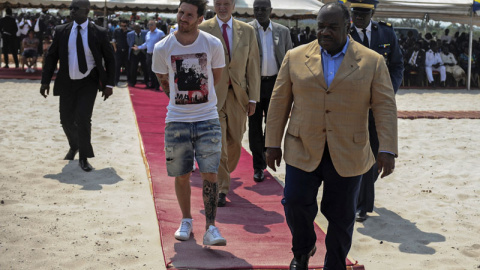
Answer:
(163, 79)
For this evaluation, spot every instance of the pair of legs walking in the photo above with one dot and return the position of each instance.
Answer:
(183, 142)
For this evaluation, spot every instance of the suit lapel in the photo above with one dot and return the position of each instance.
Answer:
(348, 65)
(237, 33)
(314, 64)
(66, 37)
(217, 32)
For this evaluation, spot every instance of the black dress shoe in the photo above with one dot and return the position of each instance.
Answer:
(258, 176)
(222, 200)
(71, 154)
(83, 162)
(361, 215)
(301, 262)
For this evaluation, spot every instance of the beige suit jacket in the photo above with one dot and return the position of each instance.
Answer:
(337, 114)
(243, 70)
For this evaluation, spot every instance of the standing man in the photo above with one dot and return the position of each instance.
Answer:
(239, 88)
(273, 42)
(137, 38)
(8, 29)
(121, 48)
(189, 64)
(381, 38)
(81, 47)
(152, 37)
(327, 89)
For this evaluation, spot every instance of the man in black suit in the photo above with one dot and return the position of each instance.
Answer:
(9, 28)
(81, 48)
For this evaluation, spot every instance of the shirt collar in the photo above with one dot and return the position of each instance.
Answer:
(261, 27)
(369, 28)
(344, 50)
(83, 25)
(220, 22)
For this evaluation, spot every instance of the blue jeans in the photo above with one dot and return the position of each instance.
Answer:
(184, 140)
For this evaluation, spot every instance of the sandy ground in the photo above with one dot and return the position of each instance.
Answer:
(55, 216)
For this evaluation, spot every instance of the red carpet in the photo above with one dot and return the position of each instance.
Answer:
(18, 73)
(253, 221)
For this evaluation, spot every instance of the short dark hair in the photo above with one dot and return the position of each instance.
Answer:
(200, 4)
(346, 13)
(9, 11)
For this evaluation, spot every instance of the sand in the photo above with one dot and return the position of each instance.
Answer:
(55, 216)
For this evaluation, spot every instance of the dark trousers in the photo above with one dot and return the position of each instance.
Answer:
(121, 60)
(256, 133)
(10, 46)
(338, 205)
(134, 60)
(76, 107)
(153, 78)
(366, 197)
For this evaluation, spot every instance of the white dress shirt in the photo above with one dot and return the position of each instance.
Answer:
(73, 68)
(269, 63)
(432, 58)
(229, 32)
(369, 32)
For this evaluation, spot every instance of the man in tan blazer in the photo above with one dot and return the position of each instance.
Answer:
(239, 88)
(273, 43)
(328, 86)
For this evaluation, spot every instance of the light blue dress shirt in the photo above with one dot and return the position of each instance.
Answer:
(151, 39)
(331, 64)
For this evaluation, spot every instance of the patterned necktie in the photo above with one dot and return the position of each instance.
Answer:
(82, 60)
(365, 38)
(225, 37)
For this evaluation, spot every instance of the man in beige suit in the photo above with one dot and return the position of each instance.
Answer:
(328, 86)
(239, 88)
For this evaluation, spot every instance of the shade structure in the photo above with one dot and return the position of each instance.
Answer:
(298, 9)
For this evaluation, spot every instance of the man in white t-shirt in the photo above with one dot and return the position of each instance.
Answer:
(188, 63)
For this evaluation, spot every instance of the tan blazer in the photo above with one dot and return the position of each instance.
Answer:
(337, 114)
(244, 68)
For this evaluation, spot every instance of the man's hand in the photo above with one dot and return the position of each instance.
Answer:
(436, 65)
(135, 48)
(251, 108)
(44, 87)
(273, 155)
(107, 91)
(386, 163)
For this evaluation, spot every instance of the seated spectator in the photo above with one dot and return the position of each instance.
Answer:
(451, 65)
(415, 62)
(47, 41)
(30, 47)
(433, 62)
(446, 38)
(463, 62)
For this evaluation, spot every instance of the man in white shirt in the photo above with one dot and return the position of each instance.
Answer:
(433, 61)
(451, 65)
(273, 43)
(188, 64)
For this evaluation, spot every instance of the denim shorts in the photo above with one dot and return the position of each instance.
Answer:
(183, 140)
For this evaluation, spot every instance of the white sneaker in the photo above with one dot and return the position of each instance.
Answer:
(185, 230)
(27, 70)
(213, 237)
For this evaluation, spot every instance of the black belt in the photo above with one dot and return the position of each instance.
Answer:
(267, 78)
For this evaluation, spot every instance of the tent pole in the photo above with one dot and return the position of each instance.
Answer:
(470, 38)
(105, 15)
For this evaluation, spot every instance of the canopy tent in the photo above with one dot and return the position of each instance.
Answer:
(301, 9)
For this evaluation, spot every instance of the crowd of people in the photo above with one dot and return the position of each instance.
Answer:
(448, 55)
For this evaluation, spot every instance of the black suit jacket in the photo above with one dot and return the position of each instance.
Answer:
(101, 49)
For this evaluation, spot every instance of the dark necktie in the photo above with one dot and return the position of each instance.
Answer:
(365, 38)
(82, 61)
(225, 37)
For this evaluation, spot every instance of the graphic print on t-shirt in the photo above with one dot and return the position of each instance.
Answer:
(191, 78)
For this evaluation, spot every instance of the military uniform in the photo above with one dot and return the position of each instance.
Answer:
(384, 41)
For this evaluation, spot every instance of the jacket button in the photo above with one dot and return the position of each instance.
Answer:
(324, 130)
(327, 111)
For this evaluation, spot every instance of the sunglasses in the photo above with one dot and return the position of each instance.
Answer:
(263, 9)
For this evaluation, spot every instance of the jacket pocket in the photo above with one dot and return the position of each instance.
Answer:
(293, 130)
(360, 137)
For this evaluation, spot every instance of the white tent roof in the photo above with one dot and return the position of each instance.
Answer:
(281, 8)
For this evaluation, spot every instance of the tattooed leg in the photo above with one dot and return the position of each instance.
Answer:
(210, 197)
